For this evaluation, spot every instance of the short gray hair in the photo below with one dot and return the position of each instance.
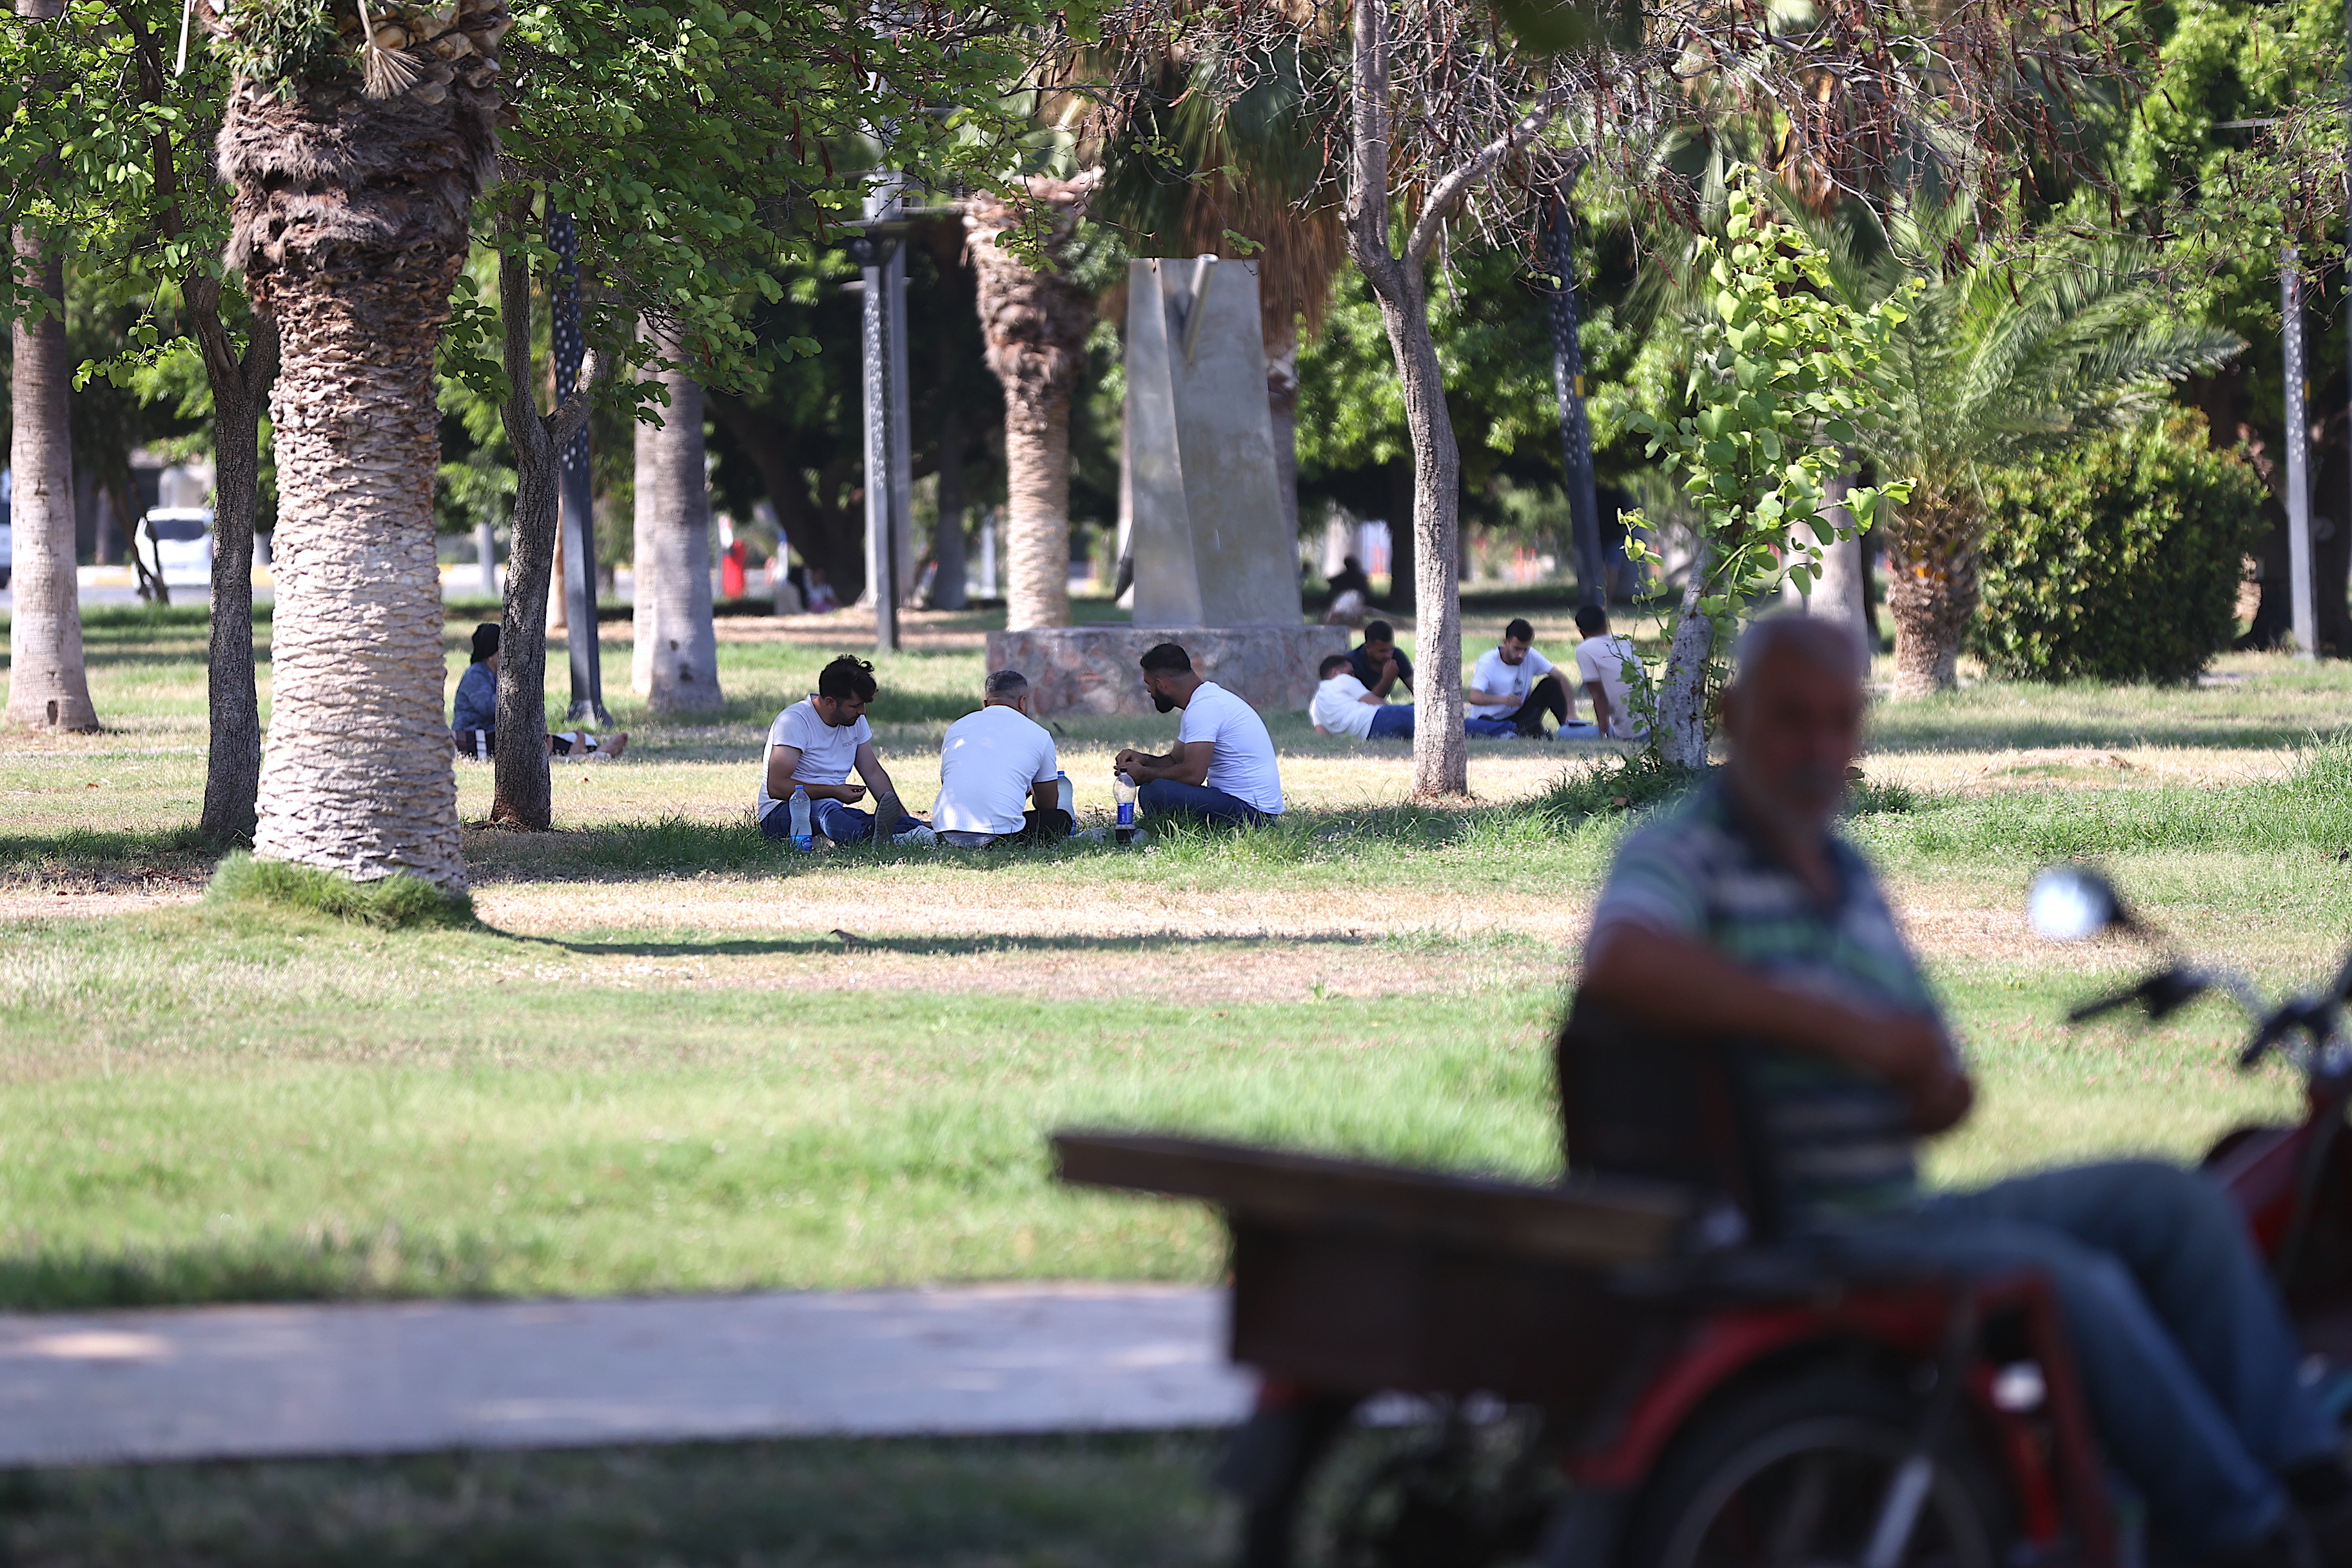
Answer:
(1819, 640)
(1008, 683)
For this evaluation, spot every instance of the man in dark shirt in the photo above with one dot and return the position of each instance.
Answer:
(1378, 664)
(474, 716)
(1745, 913)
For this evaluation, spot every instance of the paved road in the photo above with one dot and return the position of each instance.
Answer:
(254, 1381)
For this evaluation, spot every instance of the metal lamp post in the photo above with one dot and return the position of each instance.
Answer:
(1568, 385)
(576, 519)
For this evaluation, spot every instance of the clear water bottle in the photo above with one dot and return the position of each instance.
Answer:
(1066, 795)
(1123, 792)
(804, 829)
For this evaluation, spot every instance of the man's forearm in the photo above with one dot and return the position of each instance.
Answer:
(1682, 985)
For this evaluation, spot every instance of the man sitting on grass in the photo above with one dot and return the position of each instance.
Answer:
(1223, 770)
(991, 763)
(1607, 665)
(812, 746)
(474, 722)
(1342, 705)
(1377, 662)
(1512, 687)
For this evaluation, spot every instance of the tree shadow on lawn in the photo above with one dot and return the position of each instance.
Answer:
(834, 944)
(95, 859)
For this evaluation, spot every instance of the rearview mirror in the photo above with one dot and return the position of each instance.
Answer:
(2071, 904)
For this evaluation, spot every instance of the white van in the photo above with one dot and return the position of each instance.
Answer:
(177, 542)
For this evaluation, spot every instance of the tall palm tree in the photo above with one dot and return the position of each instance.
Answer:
(675, 664)
(48, 685)
(353, 170)
(2000, 357)
(1034, 320)
(1187, 171)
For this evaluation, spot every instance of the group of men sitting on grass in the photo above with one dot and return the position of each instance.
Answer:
(1511, 691)
(999, 777)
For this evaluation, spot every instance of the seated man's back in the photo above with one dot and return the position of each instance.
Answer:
(991, 766)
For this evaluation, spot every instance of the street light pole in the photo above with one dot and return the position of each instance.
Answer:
(882, 264)
(575, 516)
(1567, 386)
(2301, 584)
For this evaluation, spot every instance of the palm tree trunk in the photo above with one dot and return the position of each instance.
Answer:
(239, 385)
(1035, 323)
(1037, 512)
(1932, 590)
(677, 646)
(337, 244)
(47, 684)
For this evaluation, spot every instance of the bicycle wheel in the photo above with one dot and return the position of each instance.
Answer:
(1793, 1477)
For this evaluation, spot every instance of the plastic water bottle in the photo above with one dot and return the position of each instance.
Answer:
(803, 831)
(1123, 790)
(1066, 797)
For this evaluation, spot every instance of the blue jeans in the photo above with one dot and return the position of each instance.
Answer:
(842, 823)
(2186, 1355)
(1491, 728)
(1390, 718)
(1166, 798)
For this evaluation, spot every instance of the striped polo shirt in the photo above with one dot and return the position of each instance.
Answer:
(1842, 1138)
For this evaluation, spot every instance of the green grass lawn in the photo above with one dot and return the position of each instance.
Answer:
(671, 1056)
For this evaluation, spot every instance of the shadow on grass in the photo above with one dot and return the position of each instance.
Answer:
(337, 1265)
(1114, 1500)
(83, 854)
(924, 946)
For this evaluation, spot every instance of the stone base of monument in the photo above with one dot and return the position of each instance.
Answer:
(1093, 669)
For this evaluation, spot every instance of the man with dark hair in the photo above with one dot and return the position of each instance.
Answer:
(991, 763)
(1377, 662)
(813, 744)
(1747, 915)
(1512, 687)
(1342, 705)
(1223, 770)
(474, 719)
(1607, 667)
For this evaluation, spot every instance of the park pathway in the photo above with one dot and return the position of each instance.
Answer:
(274, 1381)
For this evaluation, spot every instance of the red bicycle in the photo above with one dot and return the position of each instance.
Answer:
(1641, 1367)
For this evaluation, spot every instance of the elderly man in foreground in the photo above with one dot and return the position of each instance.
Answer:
(1747, 915)
(999, 777)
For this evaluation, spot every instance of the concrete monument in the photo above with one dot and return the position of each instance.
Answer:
(1216, 560)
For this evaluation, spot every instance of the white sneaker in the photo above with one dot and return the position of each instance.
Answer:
(919, 834)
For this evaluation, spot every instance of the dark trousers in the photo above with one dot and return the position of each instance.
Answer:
(1547, 696)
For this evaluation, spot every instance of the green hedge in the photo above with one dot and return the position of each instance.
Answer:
(2118, 558)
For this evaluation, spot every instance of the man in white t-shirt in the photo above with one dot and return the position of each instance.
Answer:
(1512, 687)
(1223, 770)
(1607, 667)
(813, 744)
(998, 775)
(1344, 705)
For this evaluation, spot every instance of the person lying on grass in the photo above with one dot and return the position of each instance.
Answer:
(813, 744)
(1343, 706)
(990, 763)
(1747, 915)
(1223, 770)
(473, 724)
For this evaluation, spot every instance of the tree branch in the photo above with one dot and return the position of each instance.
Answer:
(1448, 192)
(1368, 151)
(566, 418)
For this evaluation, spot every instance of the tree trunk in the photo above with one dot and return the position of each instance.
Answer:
(357, 270)
(1681, 725)
(523, 795)
(1441, 761)
(239, 385)
(1842, 594)
(1035, 324)
(47, 684)
(1932, 589)
(677, 646)
(1281, 408)
(1037, 512)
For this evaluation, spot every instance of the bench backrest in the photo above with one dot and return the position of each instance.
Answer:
(1639, 1103)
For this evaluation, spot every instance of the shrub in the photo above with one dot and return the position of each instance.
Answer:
(390, 901)
(2118, 558)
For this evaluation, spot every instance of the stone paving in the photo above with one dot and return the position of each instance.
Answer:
(275, 1381)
